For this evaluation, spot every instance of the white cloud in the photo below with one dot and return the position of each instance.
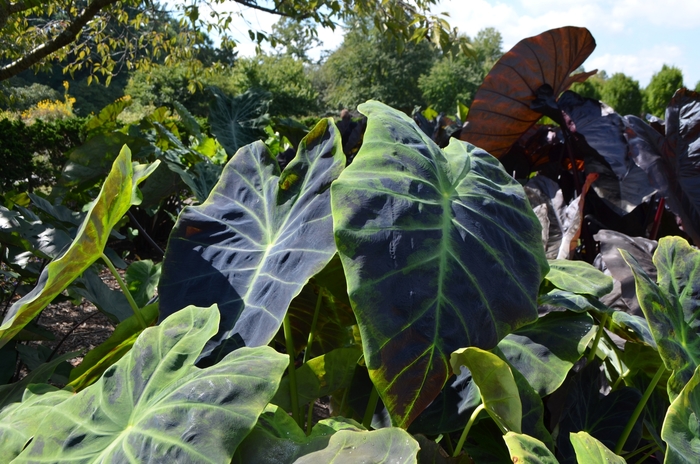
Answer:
(641, 65)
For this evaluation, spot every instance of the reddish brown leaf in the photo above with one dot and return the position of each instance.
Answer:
(501, 112)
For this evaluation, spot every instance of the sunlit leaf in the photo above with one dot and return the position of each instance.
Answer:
(545, 351)
(256, 241)
(526, 449)
(441, 250)
(97, 360)
(496, 384)
(590, 450)
(118, 193)
(154, 404)
(680, 430)
(500, 112)
(383, 446)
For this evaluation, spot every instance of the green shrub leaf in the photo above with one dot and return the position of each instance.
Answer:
(441, 250)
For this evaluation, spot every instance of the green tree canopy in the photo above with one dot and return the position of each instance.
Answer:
(591, 87)
(294, 38)
(623, 94)
(284, 77)
(163, 85)
(456, 78)
(661, 88)
(82, 33)
(370, 65)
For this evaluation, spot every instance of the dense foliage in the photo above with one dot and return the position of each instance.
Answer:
(439, 296)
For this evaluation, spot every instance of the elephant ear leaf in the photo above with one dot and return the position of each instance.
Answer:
(501, 112)
(680, 429)
(672, 307)
(155, 405)
(255, 242)
(441, 250)
(118, 193)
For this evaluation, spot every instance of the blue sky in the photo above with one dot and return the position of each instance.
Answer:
(635, 37)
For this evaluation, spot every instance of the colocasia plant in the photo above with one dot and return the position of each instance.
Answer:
(410, 290)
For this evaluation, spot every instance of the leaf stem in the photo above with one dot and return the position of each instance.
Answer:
(638, 410)
(646, 456)
(310, 418)
(293, 391)
(594, 347)
(465, 432)
(312, 332)
(371, 406)
(641, 450)
(125, 290)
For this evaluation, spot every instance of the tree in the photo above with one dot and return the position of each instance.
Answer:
(34, 32)
(591, 87)
(164, 85)
(697, 87)
(295, 37)
(623, 94)
(369, 65)
(661, 88)
(456, 78)
(284, 77)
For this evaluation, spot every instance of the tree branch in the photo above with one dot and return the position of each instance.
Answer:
(68, 35)
(254, 5)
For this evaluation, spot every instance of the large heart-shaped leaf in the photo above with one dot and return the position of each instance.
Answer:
(545, 351)
(257, 240)
(155, 405)
(672, 161)
(497, 386)
(672, 307)
(500, 112)
(441, 250)
(527, 449)
(592, 451)
(118, 193)
(680, 430)
(384, 446)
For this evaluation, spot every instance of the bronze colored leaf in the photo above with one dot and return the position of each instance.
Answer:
(501, 112)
